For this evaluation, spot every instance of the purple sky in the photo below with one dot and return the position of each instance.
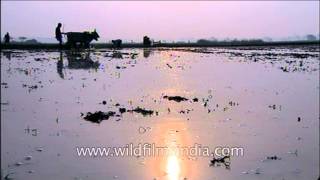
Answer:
(162, 20)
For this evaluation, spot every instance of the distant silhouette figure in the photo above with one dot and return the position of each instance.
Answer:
(156, 43)
(59, 34)
(7, 38)
(116, 43)
(146, 41)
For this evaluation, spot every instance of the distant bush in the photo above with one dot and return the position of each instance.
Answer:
(26, 41)
(31, 41)
(229, 42)
(311, 37)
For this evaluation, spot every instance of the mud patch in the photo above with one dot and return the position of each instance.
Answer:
(99, 116)
(142, 111)
(175, 98)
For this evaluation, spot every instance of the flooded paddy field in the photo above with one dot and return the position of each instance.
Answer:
(263, 101)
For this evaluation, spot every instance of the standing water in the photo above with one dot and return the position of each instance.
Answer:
(182, 113)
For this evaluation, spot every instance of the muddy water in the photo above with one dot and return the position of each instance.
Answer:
(264, 100)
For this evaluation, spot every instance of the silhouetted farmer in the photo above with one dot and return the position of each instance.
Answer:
(146, 41)
(7, 38)
(59, 34)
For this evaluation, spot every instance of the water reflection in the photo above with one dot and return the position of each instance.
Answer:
(146, 52)
(76, 60)
(171, 165)
(7, 54)
(60, 66)
(81, 60)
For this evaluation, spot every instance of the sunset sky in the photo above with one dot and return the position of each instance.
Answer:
(163, 19)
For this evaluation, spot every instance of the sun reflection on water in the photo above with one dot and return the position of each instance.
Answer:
(173, 167)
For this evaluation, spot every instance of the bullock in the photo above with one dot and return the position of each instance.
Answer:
(82, 39)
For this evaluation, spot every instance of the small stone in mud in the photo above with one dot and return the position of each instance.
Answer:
(300, 63)
(175, 98)
(195, 99)
(205, 104)
(18, 163)
(98, 116)
(39, 149)
(273, 158)
(295, 152)
(272, 106)
(298, 138)
(223, 160)
(122, 110)
(257, 171)
(28, 158)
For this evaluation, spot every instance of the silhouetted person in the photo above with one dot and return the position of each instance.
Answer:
(59, 34)
(7, 38)
(146, 41)
(116, 43)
